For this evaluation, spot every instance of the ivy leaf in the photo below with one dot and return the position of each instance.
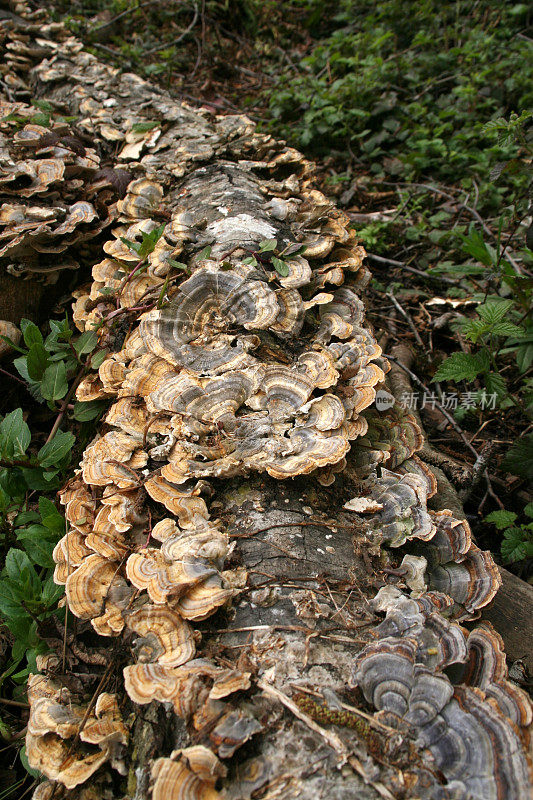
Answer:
(54, 384)
(460, 366)
(53, 451)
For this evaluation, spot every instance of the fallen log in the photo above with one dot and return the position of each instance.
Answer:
(242, 501)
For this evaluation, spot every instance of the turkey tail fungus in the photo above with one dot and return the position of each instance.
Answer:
(229, 523)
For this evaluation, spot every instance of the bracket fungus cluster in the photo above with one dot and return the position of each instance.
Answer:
(222, 372)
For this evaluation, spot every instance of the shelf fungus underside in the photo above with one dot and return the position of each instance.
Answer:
(239, 648)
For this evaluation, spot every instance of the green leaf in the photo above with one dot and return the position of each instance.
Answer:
(12, 344)
(36, 361)
(474, 245)
(35, 479)
(15, 435)
(502, 519)
(178, 264)
(494, 311)
(149, 241)
(519, 457)
(135, 246)
(53, 451)
(98, 359)
(50, 516)
(528, 510)
(495, 384)
(30, 332)
(205, 253)
(86, 411)
(16, 563)
(144, 127)
(267, 244)
(25, 763)
(54, 384)
(459, 366)
(39, 551)
(86, 342)
(516, 544)
(506, 329)
(280, 266)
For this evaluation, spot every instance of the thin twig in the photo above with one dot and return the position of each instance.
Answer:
(407, 268)
(119, 16)
(166, 45)
(407, 316)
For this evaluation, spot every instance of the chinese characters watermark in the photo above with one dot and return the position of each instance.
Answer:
(448, 400)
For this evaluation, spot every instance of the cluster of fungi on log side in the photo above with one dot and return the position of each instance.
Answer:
(224, 372)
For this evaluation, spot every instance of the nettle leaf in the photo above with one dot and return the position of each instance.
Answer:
(15, 435)
(495, 384)
(460, 366)
(506, 329)
(519, 457)
(280, 266)
(53, 451)
(474, 329)
(54, 384)
(502, 519)
(267, 244)
(86, 342)
(517, 544)
(494, 311)
(30, 332)
(135, 246)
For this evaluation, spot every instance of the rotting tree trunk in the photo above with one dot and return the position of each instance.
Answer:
(235, 390)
